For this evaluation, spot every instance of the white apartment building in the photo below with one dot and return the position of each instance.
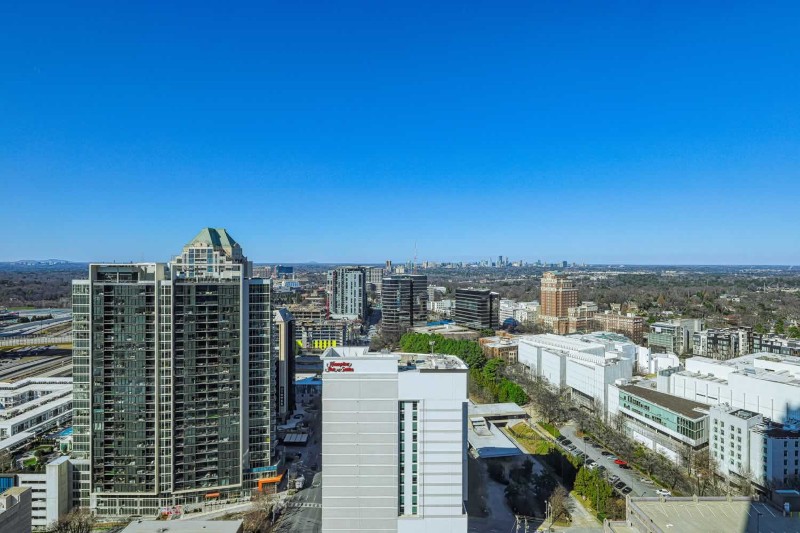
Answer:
(583, 365)
(745, 444)
(31, 407)
(394, 442)
(764, 383)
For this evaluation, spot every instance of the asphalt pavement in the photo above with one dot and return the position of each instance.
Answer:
(629, 476)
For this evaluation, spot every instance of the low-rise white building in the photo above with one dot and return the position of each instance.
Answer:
(51, 492)
(31, 407)
(652, 363)
(522, 312)
(764, 383)
(394, 442)
(583, 365)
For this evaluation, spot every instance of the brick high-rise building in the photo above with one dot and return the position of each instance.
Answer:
(557, 295)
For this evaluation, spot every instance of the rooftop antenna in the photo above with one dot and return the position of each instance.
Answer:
(414, 268)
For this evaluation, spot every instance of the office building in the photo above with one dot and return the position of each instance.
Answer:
(745, 444)
(15, 510)
(558, 294)
(347, 293)
(665, 424)
(284, 375)
(673, 336)
(393, 442)
(477, 308)
(404, 303)
(764, 383)
(174, 373)
(630, 325)
(726, 343)
(585, 366)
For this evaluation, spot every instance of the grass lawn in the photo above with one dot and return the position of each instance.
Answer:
(530, 440)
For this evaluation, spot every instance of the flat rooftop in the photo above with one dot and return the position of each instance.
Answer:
(685, 515)
(684, 407)
(406, 361)
(184, 526)
(487, 441)
(496, 410)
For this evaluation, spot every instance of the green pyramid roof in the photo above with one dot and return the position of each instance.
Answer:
(214, 237)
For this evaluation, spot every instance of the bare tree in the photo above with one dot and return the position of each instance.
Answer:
(559, 503)
(76, 521)
(260, 517)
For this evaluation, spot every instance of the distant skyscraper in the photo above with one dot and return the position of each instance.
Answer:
(394, 443)
(404, 302)
(557, 295)
(477, 308)
(173, 380)
(347, 293)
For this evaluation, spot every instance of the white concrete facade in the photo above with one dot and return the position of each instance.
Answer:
(768, 384)
(393, 442)
(587, 368)
(51, 492)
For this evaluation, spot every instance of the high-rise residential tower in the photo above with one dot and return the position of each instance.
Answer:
(347, 293)
(558, 294)
(173, 380)
(394, 442)
(284, 374)
(404, 302)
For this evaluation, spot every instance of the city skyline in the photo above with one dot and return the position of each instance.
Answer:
(635, 135)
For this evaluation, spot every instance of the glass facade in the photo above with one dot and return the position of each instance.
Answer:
(173, 373)
(694, 429)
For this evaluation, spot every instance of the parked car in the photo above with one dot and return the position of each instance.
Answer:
(611, 457)
(626, 490)
(572, 447)
(646, 480)
(620, 485)
(566, 442)
(605, 453)
(614, 478)
(561, 438)
(587, 438)
(664, 493)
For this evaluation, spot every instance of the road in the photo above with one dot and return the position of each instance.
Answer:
(629, 476)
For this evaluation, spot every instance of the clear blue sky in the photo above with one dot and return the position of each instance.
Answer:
(635, 132)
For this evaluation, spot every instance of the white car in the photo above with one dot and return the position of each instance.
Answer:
(664, 492)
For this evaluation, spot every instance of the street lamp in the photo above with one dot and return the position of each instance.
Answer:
(431, 344)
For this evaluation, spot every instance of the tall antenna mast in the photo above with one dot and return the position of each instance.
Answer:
(414, 268)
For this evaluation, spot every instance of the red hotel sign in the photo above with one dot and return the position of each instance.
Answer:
(339, 366)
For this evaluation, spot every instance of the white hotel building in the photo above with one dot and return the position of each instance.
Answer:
(586, 364)
(394, 442)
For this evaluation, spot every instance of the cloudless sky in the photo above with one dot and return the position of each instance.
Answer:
(632, 132)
